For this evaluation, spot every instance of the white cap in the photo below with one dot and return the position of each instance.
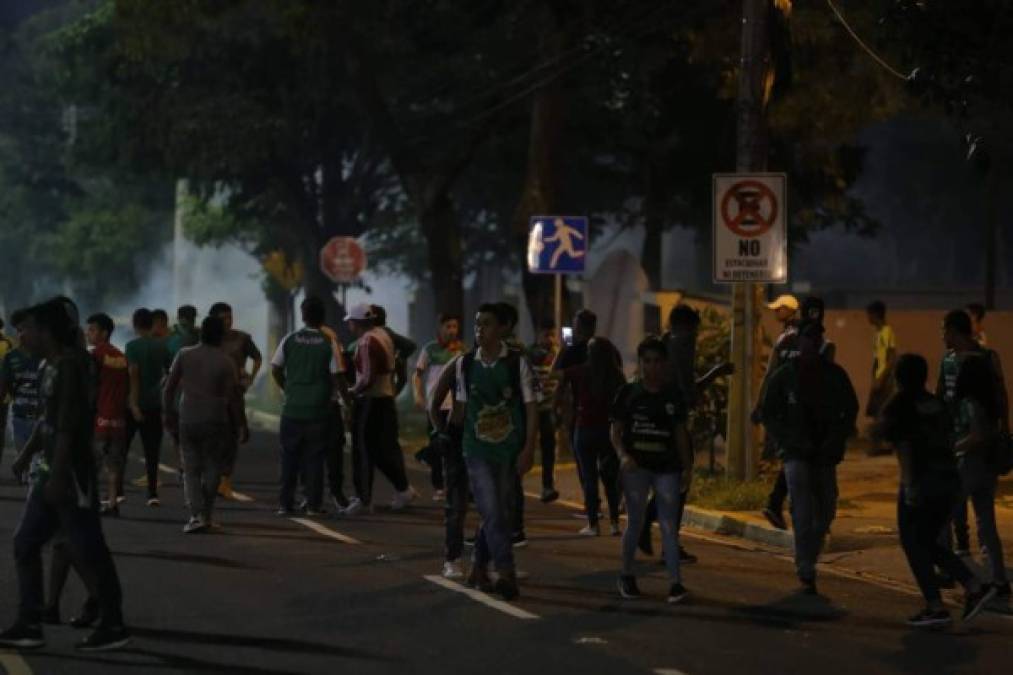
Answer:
(785, 301)
(359, 312)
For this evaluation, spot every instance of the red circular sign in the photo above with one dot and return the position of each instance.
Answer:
(749, 208)
(342, 260)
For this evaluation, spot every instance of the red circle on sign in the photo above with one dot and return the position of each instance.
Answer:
(750, 196)
(342, 260)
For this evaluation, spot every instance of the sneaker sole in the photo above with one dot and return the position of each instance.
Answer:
(119, 644)
(623, 594)
(934, 623)
(777, 525)
(980, 607)
(521, 544)
(676, 599)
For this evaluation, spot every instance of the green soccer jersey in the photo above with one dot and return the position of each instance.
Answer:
(307, 357)
(151, 357)
(494, 417)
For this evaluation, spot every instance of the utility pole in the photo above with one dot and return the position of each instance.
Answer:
(751, 157)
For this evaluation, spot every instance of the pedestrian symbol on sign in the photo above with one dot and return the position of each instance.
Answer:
(557, 245)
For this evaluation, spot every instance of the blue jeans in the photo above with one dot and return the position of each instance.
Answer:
(82, 529)
(22, 429)
(456, 483)
(599, 459)
(979, 483)
(303, 446)
(493, 484)
(637, 484)
(919, 528)
(812, 489)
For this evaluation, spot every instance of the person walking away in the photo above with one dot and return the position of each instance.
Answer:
(960, 345)
(334, 457)
(200, 401)
(159, 324)
(146, 364)
(306, 370)
(511, 317)
(884, 356)
(648, 431)
(374, 417)
(810, 408)
(111, 412)
(183, 334)
(495, 397)
(542, 354)
(239, 347)
(19, 382)
(594, 386)
(64, 495)
(430, 365)
(918, 426)
(585, 323)
(977, 312)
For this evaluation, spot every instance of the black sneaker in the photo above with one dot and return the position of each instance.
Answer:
(23, 636)
(479, 579)
(506, 586)
(945, 581)
(808, 587)
(104, 639)
(549, 495)
(685, 557)
(645, 544)
(51, 616)
(519, 540)
(469, 541)
(88, 616)
(676, 594)
(975, 602)
(627, 586)
(775, 518)
(930, 618)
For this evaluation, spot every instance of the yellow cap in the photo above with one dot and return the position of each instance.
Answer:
(786, 301)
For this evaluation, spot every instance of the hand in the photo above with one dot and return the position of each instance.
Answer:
(627, 463)
(525, 461)
(135, 411)
(244, 434)
(57, 489)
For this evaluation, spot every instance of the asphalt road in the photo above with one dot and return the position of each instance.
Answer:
(270, 596)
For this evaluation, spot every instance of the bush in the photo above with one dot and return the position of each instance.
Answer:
(724, 494)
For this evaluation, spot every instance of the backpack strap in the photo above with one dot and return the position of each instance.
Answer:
(466, 361)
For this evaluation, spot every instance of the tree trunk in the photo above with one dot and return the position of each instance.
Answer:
(446, 266)
(540, 195)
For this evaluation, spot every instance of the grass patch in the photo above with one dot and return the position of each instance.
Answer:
(724, 494)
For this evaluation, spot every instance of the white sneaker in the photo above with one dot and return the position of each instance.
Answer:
(354, 507)
(590, 531)
(193, 525)
(439, 496)
(403, 499)
(452, 570)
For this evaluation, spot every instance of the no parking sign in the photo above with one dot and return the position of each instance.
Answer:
(750, 232)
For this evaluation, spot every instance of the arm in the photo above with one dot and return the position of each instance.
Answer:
(254, 355)
(68, 424)
(530, 398)
(278, 373)
(418, 387)
(616, 434)
(135, 391)
(772, 408)
(685, 449)
(444, 386)
(171, 388)
(403, 345)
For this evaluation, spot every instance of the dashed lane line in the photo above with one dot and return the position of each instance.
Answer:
(668, 671)
(13, 664)
(483, 598)
(325, 531)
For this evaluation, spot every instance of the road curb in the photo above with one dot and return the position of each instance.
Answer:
(720, 522)
(716, 522)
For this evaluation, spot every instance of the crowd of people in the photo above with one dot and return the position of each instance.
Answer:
(74, 413)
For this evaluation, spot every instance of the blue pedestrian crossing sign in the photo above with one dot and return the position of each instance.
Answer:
(557, 244)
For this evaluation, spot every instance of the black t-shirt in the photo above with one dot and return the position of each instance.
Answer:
(648, 421)
(67, 408)
(923, 421)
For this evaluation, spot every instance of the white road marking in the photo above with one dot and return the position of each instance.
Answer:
(13, 664)
(668, 671)
(479, 596)
(326, 531)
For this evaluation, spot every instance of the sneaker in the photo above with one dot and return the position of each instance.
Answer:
(355, 506)
(120, 499)
(479, 579)
(315, 511)
(506, 586)
(285, 512)
(590, 530)
(452, 570)
(676, 594)
(193, 525)
(105, 639)
(439, 496)
(403, 499)
(614, 529)
(685, 557)
(154, 501)
(340, 503)
(809, 587)
(930, 618)
(140, 482)
(975, 602)
(519, 540)
(775, 518)
(627, 586)
(51, 616)
(23, 636)
(549, 495)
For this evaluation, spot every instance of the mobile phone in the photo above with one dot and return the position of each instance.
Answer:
(567, 335)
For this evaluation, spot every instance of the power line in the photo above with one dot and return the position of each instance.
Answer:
(890, 69)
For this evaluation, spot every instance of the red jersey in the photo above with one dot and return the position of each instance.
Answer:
(113, 387)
